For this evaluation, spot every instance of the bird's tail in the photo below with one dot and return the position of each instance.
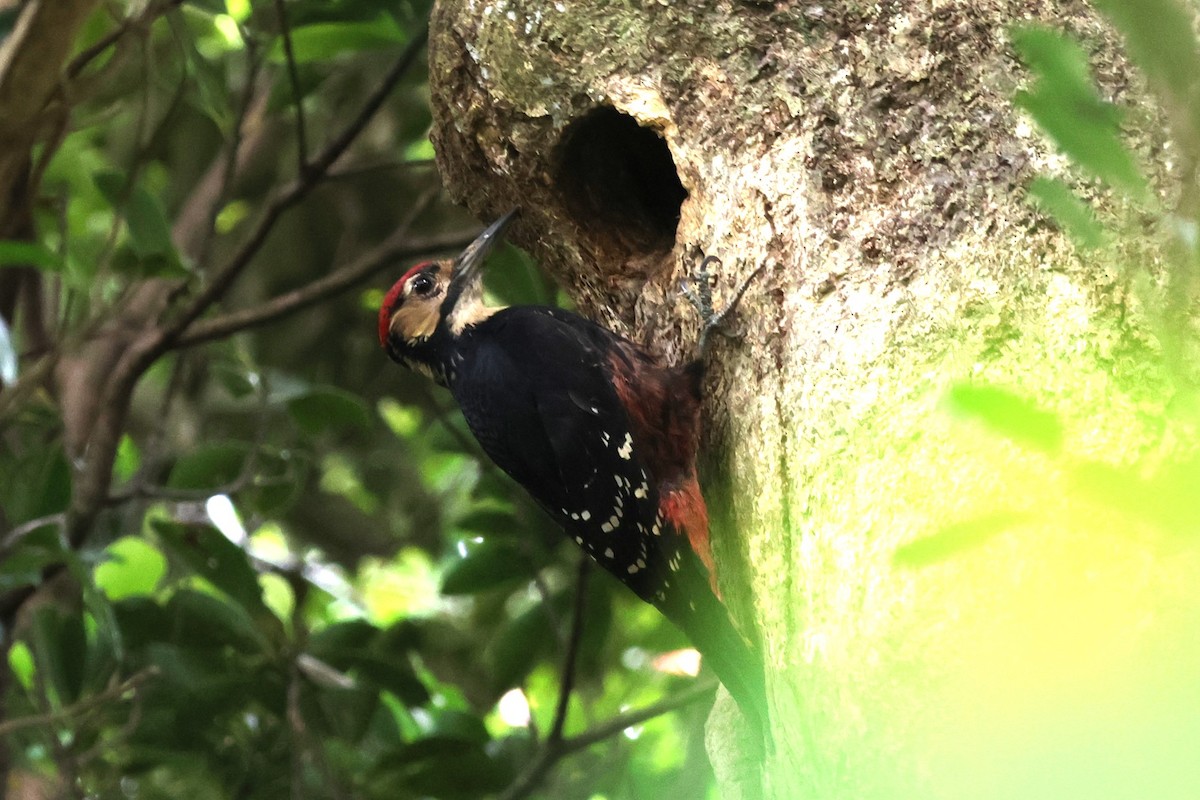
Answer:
(735, 661)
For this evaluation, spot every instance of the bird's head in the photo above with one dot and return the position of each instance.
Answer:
(437, 300)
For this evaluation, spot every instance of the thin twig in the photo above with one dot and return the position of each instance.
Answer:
(549, 755)
(291, 195)
(614, 726)
(294, 78)
(229, 167)
(566, 681)
(90, 54)
(78, 709)
(355, 170)
(392, 249)
(14, 537)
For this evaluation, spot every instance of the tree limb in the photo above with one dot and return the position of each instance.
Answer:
(316, 169)
(528, 781)
(566, 681)
(89, 54)
(396, 247)
(84, 706)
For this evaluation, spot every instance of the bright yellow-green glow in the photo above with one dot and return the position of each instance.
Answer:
(404, 421)
(231, 215)
(133, 568)
(227, 26)
(239, 10)
(20, 661)
(420, 150)
(1013, 614)
(277, 595)
(339, 476)
(406, 586)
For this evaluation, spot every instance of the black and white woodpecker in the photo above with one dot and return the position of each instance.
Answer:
(599, 432)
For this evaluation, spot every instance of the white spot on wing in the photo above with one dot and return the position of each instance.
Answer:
(608, 553)
(625, 451)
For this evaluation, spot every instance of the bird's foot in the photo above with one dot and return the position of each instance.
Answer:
(697, 290)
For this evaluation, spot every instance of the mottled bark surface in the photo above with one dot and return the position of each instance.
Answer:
(868, 156)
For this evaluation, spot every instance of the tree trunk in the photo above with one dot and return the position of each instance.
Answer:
(869, 158)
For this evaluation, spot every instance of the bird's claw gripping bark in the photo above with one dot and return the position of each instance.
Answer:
(697, 290)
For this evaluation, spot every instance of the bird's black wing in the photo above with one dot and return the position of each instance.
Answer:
(548, 415)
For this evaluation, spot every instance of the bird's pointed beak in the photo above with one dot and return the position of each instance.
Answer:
(467, 267)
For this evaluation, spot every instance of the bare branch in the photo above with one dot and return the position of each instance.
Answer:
(14, 537)
(84, 706)
(566, 680)
(143, 20)
(238, 152)
(553, 752)
(614, 726)
(282, 202)
(389, 251)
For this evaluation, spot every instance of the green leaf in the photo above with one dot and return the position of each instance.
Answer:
(209, 466)
(142, 621)
(346, 712)
(197, 683)
(144, 214)
(328, 408)
(324, 40)
(133, 568)
(128, 460)
(1159, 38)
(440, 766)
(957, 538)
(489, 520)
(1009, 415)
(391, 672)
(20, 661)
(1065, 103)
(1074, 215)
(216, 559)
(29, 254)
(468, 773)
(330, 642)
(518, 646)
(485, 566)
(449, 723)
(198, 619)
(60, 647)
(37, 550)
(359, 647)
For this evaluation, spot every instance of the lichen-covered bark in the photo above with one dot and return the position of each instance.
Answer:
(868, 156)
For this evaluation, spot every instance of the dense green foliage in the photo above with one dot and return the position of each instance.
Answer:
(303, 581)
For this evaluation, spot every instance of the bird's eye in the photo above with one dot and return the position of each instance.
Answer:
(422, 284)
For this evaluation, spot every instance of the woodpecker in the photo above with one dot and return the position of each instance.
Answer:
(600, 433)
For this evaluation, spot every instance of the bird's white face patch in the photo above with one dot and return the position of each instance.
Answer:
(469, 310)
